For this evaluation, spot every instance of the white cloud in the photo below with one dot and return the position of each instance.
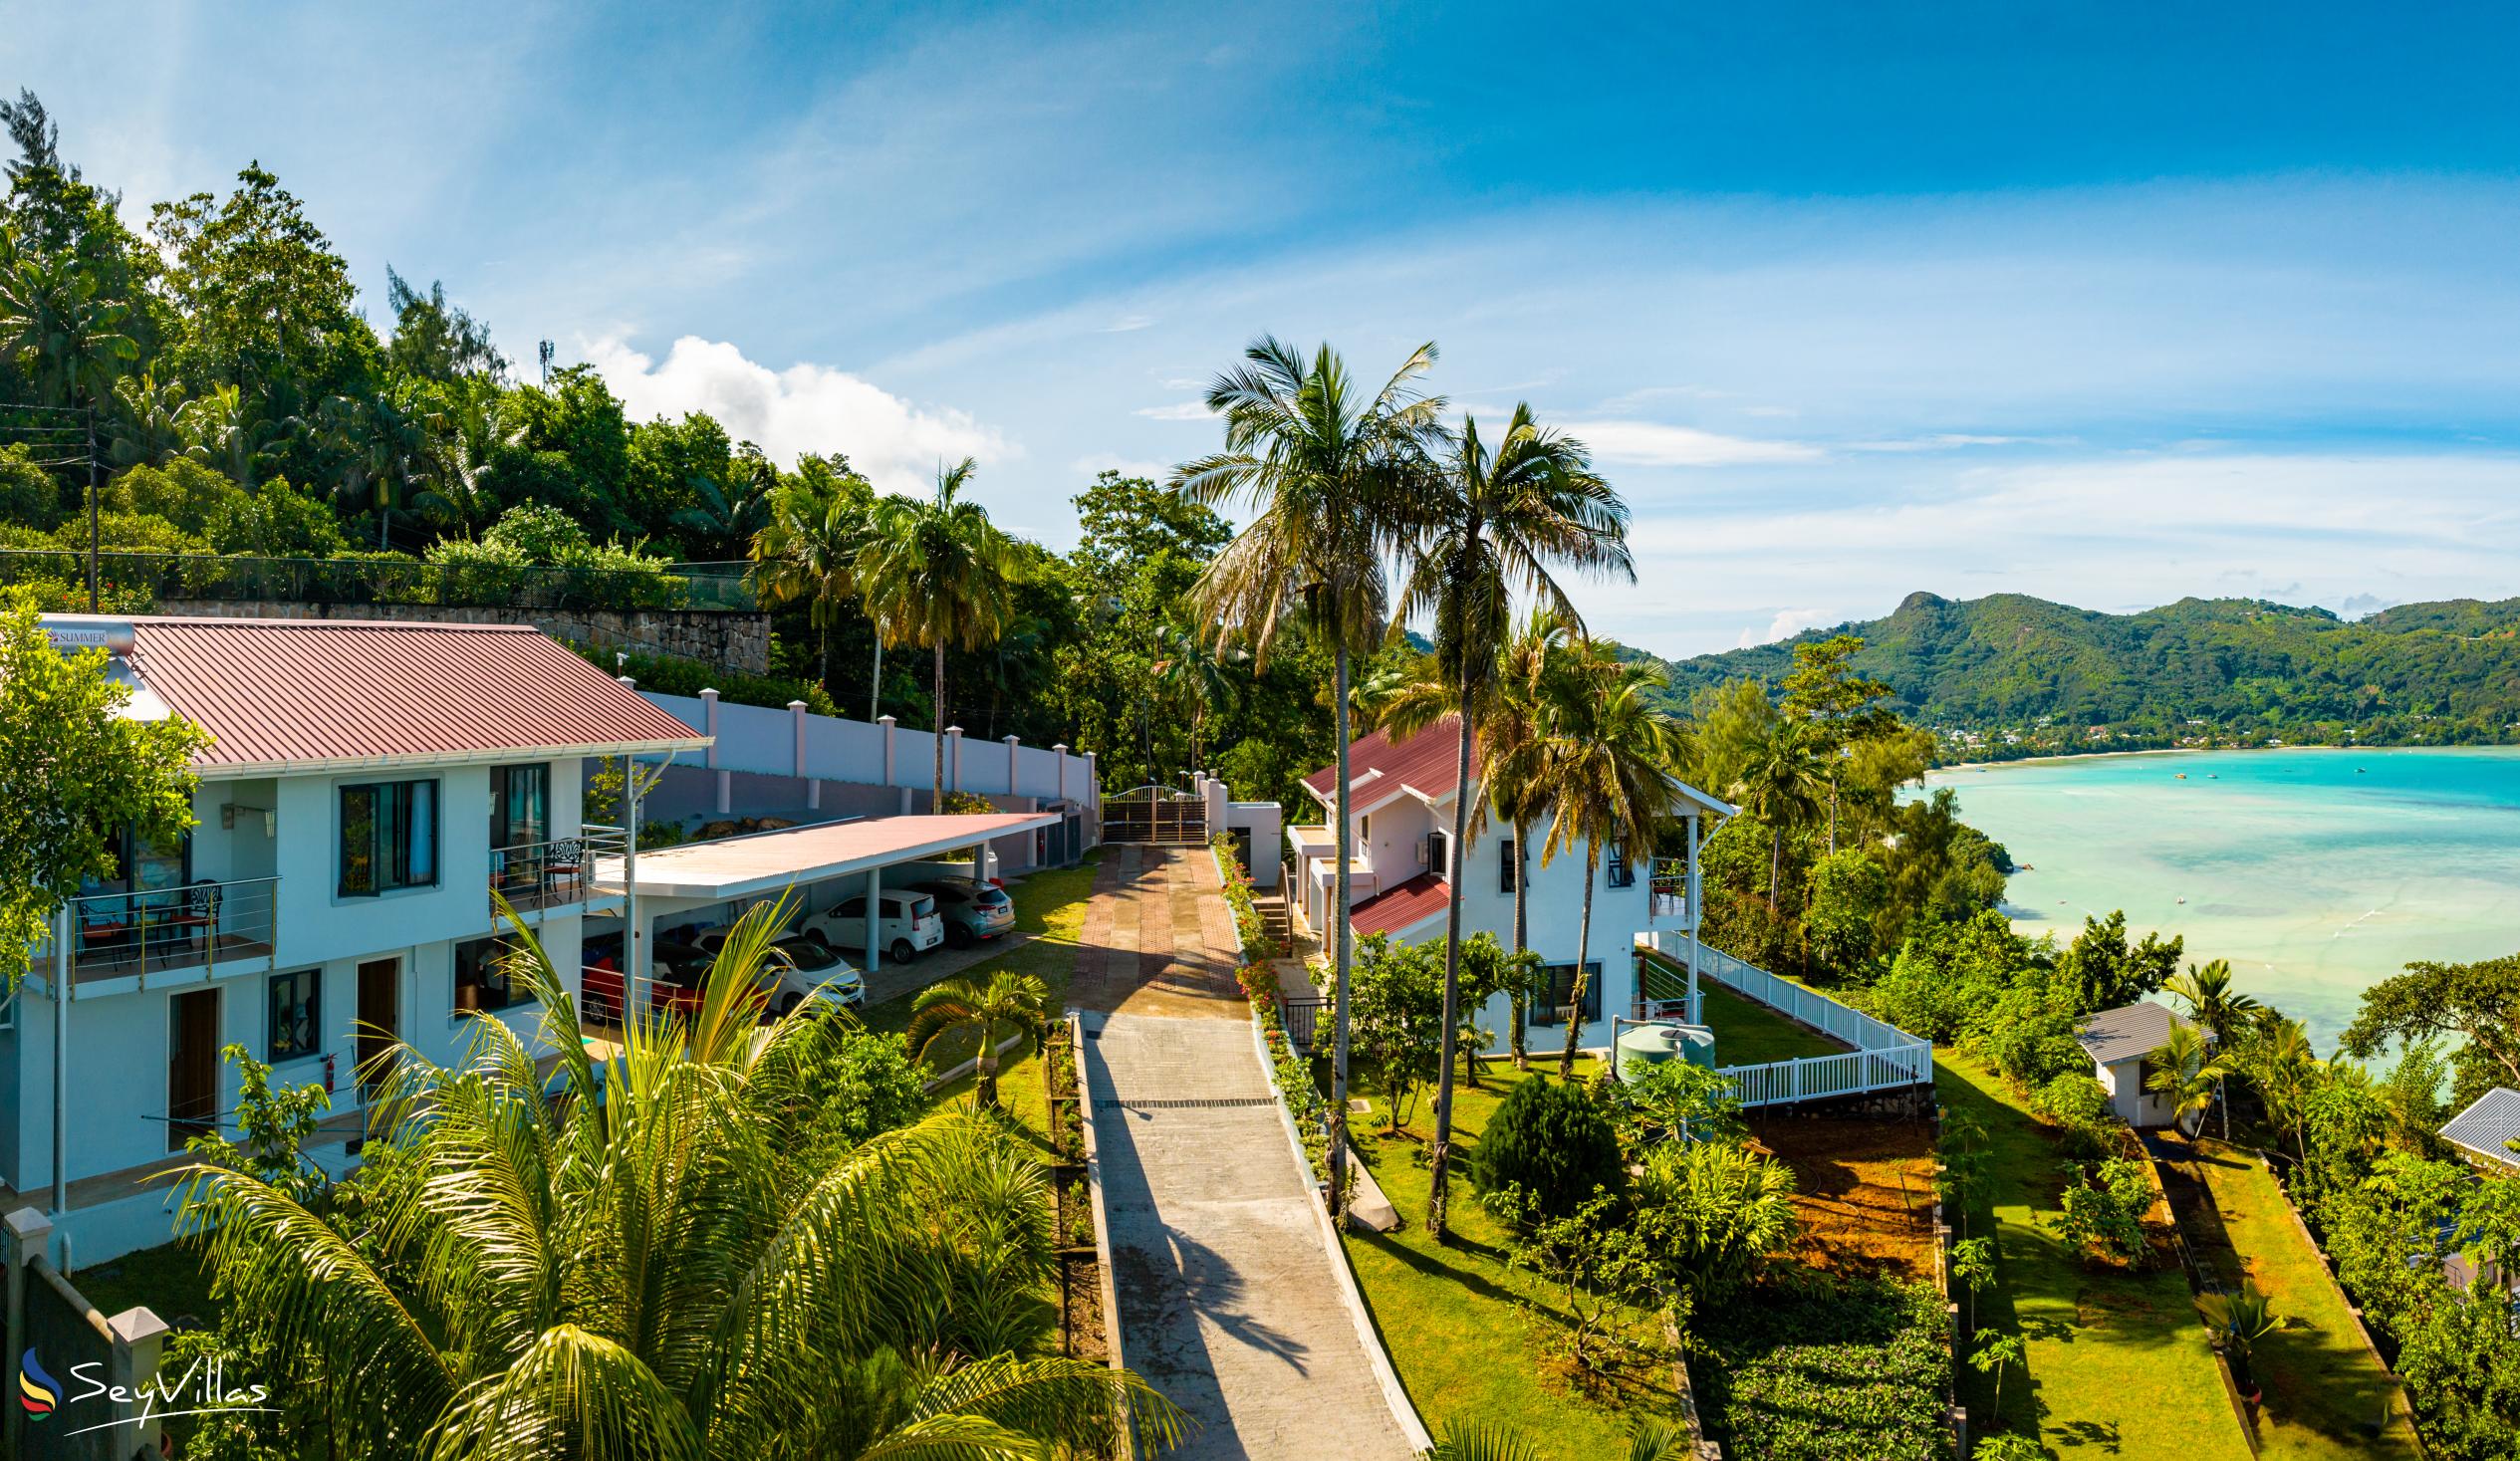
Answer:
(1787, 623)
(1180, 411)
(1653, 444)
(1953, 441)
(1128, 322)
(802, 408)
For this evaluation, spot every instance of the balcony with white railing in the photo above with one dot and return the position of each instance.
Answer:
(1882, 1056)
(224, 928)
(537, 876)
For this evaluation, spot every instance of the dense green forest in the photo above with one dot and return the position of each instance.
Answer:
(2216, 672)
(246, 404)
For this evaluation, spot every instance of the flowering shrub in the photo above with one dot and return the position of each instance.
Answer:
(1260, 986)
(1257, 946)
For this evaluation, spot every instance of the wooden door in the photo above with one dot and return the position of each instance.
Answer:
(379, 1001)
(192, 1066)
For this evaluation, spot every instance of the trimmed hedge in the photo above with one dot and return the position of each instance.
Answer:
(1826, 1370)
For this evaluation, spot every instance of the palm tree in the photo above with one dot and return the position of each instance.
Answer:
(1608, 780)
(937, 572)
(2279, 1060)
(1202, 682)
(807, 552)
(1532, 674)
(2214, 1004)
(1651, 1440)
(1780, 784)
(225, 430)
(725, 517)
(1005, 1004)
(2235, 1322)
(464, 441)
(1331, 475)
(147, 421)
(67, 341)
(1497, 521)
(675, 1253)
(2184, 1071)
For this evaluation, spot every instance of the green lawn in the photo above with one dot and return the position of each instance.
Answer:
(2322, 1385)
(1051, 907)
(2117, 1364)
(1748, 1033)
(1452, 1318)
(170, 1279)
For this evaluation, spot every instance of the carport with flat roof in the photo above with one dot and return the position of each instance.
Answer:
(669, 882)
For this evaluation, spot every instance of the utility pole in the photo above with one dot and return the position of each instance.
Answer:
(93, 493)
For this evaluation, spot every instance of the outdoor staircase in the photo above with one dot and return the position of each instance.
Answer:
(1275, 924)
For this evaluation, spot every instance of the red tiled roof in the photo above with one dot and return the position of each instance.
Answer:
(1424, 760)
(1403, 906)
(293, 693)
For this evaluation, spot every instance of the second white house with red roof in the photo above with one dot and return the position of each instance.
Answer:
(1403, 876)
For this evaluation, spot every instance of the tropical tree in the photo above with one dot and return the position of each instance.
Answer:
(807, 553)
(937, 572)
(147, 422)
(465, 439)
(1533, 670)
(2283, 1068)
(1004, 1004)
(1332, 476)
(2213, 1003)
(671, 1254)
(1608, 780)
(1497, 520)
(1783, 774)
(2235, 1322)
(1202, 682)
(1711, 1212)
(55, 330)
(1651, 1440)
(2186, 1072)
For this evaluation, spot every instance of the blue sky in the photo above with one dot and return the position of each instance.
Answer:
(2110, 304)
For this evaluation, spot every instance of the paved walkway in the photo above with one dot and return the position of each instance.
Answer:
(1229, 1301)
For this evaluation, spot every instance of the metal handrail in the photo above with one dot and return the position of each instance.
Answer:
(194, 926)
(546, 875)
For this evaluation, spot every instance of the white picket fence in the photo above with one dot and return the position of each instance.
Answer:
(1884, 1058)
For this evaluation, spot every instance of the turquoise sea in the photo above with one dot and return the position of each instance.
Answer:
(2316, 872)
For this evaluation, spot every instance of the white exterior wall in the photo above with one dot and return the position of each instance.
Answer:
(1390, 839)
(120, 1033)
(2135, 1105)
(758, 739)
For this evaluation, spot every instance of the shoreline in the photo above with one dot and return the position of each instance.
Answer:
(2205, 751)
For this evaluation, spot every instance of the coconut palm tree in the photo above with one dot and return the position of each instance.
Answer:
(68, 344)
(464, 440)
(672, 1253)
(1332, 476)
(937, 572)
(1004, 1004)
(2185, 1074)
(1202, 682)
(1499, 519)
(2214, 1004)
(147, 421)
(1781, 781)
(1608, 780)
(1532, 676)
(808, 552)
(2280, 1063)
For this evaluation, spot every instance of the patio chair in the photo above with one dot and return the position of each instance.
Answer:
(193, 912)
(104, 924)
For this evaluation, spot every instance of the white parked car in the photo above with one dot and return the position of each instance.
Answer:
(807, 968)
(910, 926)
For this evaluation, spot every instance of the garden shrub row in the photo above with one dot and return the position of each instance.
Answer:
(1303, 1098)
(1827, 1369)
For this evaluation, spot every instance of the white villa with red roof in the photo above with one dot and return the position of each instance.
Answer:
(367, 788)
(1402, 876)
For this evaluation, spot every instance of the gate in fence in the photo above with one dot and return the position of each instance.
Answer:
(1153, 814)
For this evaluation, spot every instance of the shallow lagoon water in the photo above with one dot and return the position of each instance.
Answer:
(2316, 872)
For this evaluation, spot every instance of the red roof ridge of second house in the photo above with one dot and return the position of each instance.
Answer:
(299, 694)
(1423, 761)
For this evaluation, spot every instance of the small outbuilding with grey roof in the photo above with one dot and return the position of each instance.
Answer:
(2118, 1042)
(2486, 1129)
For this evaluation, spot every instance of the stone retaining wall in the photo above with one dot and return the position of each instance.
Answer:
(738, 642)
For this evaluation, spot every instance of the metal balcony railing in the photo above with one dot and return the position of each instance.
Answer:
(549, 875)
(225, 928)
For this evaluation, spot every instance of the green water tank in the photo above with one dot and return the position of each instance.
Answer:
(1664, 1040)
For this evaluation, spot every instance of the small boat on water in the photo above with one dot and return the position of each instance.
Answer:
(2182, 900)
(2214, 776)
(2182, 776)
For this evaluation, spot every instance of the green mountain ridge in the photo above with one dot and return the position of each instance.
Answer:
(2212, 670)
